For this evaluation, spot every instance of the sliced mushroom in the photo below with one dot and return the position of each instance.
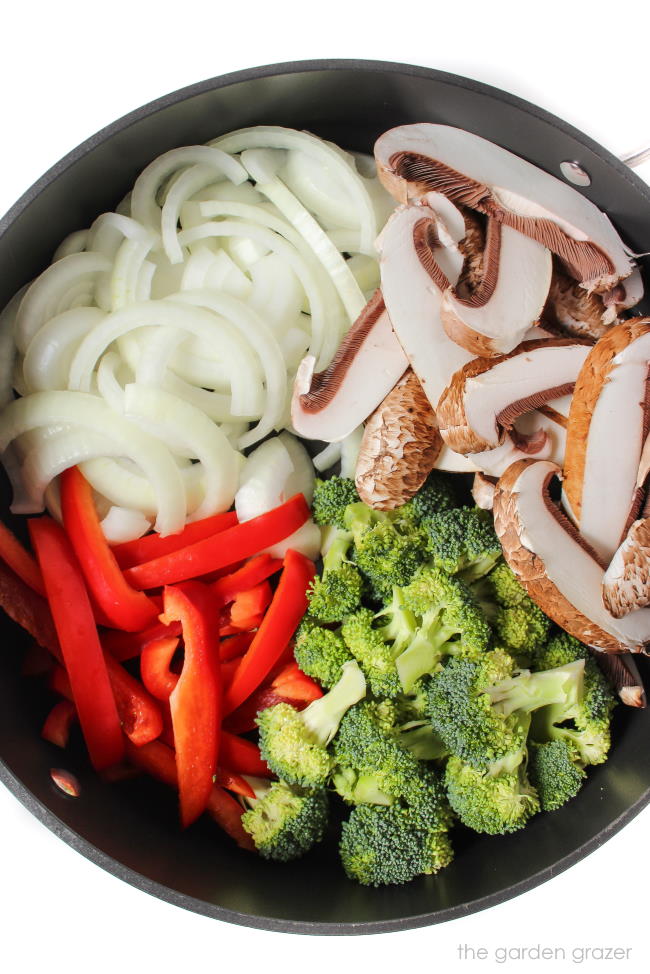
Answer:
(416, 268)
(515, 447)
(608, 425)
(328, 405)
(552, 419)
(416, 159)
(399, 447)
(486, 396)
(623, 674)
(555, 565)
(573, 310)
(452, 462)
(626, 583)
(483, 491)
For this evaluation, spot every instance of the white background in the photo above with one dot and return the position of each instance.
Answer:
(69, 68)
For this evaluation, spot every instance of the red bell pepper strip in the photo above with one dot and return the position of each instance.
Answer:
(293, 682)
(235, 646)
(233, 782)
(59, 682)
(28, 609)
(228, 670)
(245, 625)
(253, 572)
(79, 641)
(243, 720)
(123, 606)
(223, 549)
(242, 756)
(130, 553)
(158, 760)
(278, 626)
(58, 723)
(128, 645)
(139, 713)
(252, 602)
(195, 702)
(20, 560)
(154, 667)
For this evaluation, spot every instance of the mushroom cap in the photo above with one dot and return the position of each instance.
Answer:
(399, 447)
(626, 583)
(555, 565)
(415, 159)
(483, 489)
(608, 424)
(329, 405)
(486, 396)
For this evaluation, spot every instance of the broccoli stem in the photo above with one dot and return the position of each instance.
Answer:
(323, 716)
(530, 691)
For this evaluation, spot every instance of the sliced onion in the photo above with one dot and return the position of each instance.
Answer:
(127, 268)
(327, 457)
(47, 360)
(144, 206)
(276, 292)
(48, 459)
(185, 186)
(350, 447)
(120, 482)
(109, 386)
(91, 413)
(74, 243)
(189, 431)
(43, 298)
(122, 524)
(263, 479)
(109, 231)
(8, 346)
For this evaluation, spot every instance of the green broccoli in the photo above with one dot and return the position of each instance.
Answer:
(320, 652)
(436, 494)
(556, 772)
(374, 654)
(338, 590)
(285, 822)
(585, 724)
(497, 800)
(449, 623)
(519, 624)
(389, 845)
(295, 743)
(331, 497)
(386, 550)
(462, 541)
(480, 710)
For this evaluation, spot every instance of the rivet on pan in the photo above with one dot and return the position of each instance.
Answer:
(66, 782)
(574, 173)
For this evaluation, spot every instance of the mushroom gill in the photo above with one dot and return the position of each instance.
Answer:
(555, 565)
(328, 405)
(413, 160)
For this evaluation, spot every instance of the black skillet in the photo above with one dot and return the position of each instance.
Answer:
(131, 829)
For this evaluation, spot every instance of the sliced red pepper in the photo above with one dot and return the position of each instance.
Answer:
(123, 606)
(294, 683)
(20, 560)
(127, 645)
(222, 549)
(252, 602)
(79, 641)
(242, 756)
(245, 625)
(58, 724)
(228, 670)
(136, 552)
(235, 646)
(28, 609)
(196, 700)
(154, 667)
(233, 782)
(278, 626)
(243, 720)
(158, 760)
(59, 682)
(257, 570)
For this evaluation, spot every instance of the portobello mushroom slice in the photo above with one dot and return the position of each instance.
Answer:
(399, 447)
(570, 310)
(558, 569)
(483, 488)
(607, 430)
(329, 405)
(486, 397)
(413, 160)
(623, 674)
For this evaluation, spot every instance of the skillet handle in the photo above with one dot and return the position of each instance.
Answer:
(634, 159)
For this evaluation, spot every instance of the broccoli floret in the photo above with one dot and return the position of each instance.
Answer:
(436, 494)
(338, 590)
(294, 743)
(320, 652)
(517, 620)
(285, 822)
(556, 773)
(449, 623)
(387, 550)
(389, 845)
(481, 713)
(497, 800)
(373, 653)
(331, 497)
(503, 586)
(586, 723)
(462, 540)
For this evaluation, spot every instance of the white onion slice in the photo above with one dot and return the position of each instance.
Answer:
(74, 243)
(92, 413)
(120, 482)
(46, 364)
(48, 459)
(327, 457)
(189, 431)
(109, 386)
(350, 447)
(109, 230)
(42, 299)
(144, 206)
(184, 186)
(122, 524)
(8, 346)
